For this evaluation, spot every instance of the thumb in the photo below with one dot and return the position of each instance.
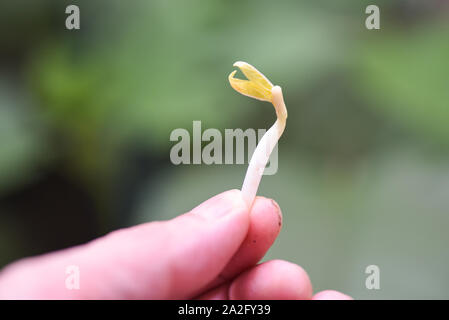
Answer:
(173, 259)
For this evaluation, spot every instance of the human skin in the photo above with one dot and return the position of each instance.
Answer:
(211, 252)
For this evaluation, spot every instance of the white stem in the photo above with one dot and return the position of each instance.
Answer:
(263, 150)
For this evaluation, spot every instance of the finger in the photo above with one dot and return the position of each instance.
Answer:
(330, 295)
(159, 260)
(219, 293)
(272, 280)
(265, 225)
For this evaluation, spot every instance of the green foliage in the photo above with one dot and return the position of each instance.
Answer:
(404, 75)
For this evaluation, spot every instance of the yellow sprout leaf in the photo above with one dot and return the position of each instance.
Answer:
(257, 86)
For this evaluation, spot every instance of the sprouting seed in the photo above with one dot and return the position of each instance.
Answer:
(259, 87)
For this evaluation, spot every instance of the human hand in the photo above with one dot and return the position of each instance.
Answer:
(209, 253)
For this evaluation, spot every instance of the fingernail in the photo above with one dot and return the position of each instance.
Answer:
(221, 205)
(278, 211)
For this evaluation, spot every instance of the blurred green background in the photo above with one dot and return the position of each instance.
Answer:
(86, 115)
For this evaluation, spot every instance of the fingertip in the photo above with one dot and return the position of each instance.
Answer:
(218, 293)
(265, 225)
(269, 207)
(265, 221)
(331, 295)
(272, 280)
